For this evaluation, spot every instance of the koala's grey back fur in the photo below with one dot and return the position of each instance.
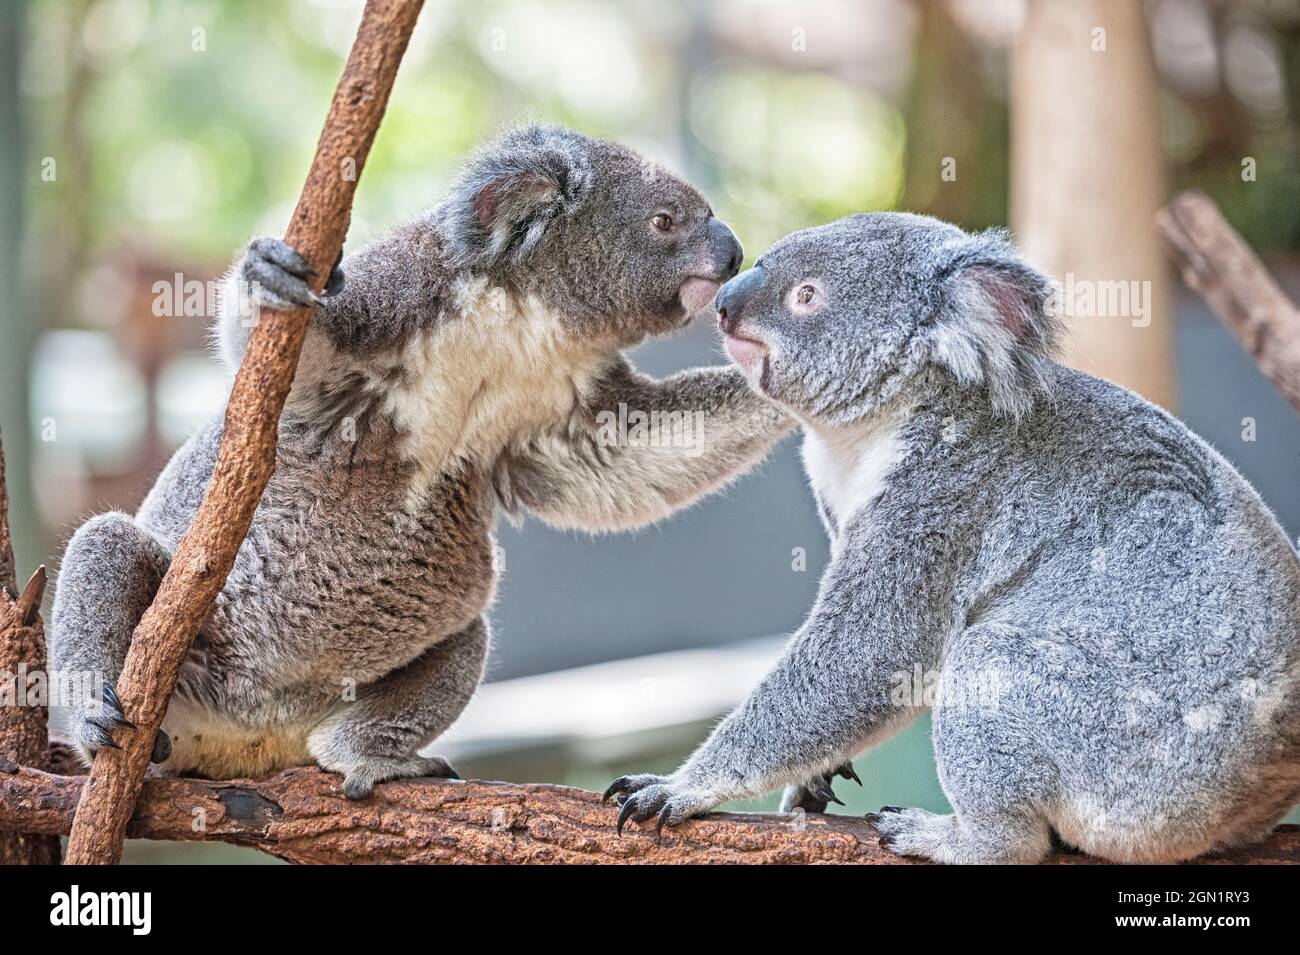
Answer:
(1112, 612)
(458, 371)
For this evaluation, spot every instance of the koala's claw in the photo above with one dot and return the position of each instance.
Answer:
(914, 832)
(824, 791)
(660, 797)
(664, 815)
(641, 806)
(94, 736)
(278, 275)
(625, 786)
(97, 721)
(619, 786)
(627, 809)
(814, 794)
(113, 708)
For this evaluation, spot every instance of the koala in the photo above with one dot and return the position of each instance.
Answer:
(1110, 614)
(457, 372)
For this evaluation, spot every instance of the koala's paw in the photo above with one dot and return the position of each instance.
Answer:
(95, 721)
(360, 778)
(816, 793)
(912, 832)
(278, 275)
(646, 795)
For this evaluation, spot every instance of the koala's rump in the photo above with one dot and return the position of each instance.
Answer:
(1138, 621)
(207, 743)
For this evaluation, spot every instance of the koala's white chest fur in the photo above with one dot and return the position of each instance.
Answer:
(495, 374)
(847, 465)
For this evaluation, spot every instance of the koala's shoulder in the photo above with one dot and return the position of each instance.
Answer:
(413, 262)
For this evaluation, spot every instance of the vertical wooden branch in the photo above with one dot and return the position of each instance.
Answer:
(247, 456)
(24, 733)
(1219, 265)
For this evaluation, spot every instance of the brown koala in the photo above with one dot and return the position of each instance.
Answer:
(463, 368)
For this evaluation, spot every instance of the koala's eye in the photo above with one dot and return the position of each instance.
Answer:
(806, 297)
(662, 221)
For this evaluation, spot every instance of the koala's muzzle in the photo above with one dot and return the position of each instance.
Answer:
(733, 296)
(724, 249)
(719, 261)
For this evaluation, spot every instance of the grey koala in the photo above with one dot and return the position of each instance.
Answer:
(458, 372)
(1110, 614)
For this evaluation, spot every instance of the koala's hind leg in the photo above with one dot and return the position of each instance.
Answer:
(994, 822)
(995, 776)
(378, 736)
(991, 839)
(110, 573)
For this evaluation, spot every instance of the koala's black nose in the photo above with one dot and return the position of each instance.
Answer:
(733, 296)
(724, 248)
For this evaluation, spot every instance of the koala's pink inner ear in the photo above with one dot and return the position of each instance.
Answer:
(514, 198)
(1006, 295)
(485, 204)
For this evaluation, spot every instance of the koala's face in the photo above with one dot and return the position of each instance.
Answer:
(615, 246)
(833, 321)
(643, 253)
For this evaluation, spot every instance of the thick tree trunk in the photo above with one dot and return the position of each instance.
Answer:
(247, 456)
(302, 815)
(1086, 181)
(23, 725)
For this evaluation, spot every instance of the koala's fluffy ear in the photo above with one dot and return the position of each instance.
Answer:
(995, 323)
(512, 191)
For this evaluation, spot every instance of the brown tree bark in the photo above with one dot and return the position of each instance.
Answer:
(23, 726)
(1219, 265)
(1086, 179)
(246, 459)
(301, 815)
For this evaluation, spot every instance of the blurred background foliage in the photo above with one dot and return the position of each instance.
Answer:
(183, 143)
(177, 129)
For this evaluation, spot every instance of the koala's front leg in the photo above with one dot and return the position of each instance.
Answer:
(813, 711)
(379, 735)
(829, 696)
(699, 430)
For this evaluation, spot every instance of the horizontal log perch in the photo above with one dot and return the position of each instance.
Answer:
(301, 815)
